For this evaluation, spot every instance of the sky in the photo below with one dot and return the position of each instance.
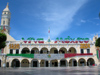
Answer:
(33, 18)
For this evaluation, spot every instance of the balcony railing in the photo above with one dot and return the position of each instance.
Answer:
(22, 55)
(73, 55)
(50, 56)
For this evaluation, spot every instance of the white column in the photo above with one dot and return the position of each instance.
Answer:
(86, 63)
(29, 64)
(72, 62)
(48, 63)
(58, 63)
(20, 64)
(39, 65)
(67, 64)
(44, 63)
(77, 64)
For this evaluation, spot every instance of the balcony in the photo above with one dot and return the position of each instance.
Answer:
(78, 54)
(22, 55)
(50, 56)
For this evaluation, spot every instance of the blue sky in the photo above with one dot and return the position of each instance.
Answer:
(74, 18)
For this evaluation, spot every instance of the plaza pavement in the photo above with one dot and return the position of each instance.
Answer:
(51, 71)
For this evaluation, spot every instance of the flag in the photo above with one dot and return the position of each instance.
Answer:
(98, 54)
(4, 28)
(1, 28)
(49, 30)
(2, 50)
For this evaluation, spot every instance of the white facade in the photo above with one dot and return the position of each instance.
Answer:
(40, 53)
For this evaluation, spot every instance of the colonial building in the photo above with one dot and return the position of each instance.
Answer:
(46, 53)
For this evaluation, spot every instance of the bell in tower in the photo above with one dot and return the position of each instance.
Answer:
(5, 20)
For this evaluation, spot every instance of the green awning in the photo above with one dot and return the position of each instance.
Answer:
(23, 55)
(40, 39)
(57, 38)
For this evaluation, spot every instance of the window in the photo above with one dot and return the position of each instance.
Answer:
(11, 51)
(9, 22)
(3, 22)
(88, 50)
(82, 51)
(4, 12)
(17, 51)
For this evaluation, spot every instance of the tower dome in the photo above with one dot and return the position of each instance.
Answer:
(7, 8)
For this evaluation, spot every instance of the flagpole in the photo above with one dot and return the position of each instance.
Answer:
(49, 34)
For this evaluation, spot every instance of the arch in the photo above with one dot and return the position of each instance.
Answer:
(53, 50)
(44, 63)
(63, 63)
(81, 62)
(54, 63)
(0, 63)
(44, 50)
(62, 50)
(24, 63)
(72, 50)
(72, 62)
(34, 63)
(90, 62)
(15, 63)
(25, 51)
(35, 50)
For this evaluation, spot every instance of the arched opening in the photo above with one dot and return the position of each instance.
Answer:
(25, 63)
(63, 50)
(34, 63)
(81, 62)
(44, 63)
(72, 50)
(7, 64)
(54, 63)
(53, 51)
(0, 63)
(44, 51)
(63, 63)
(35, 51)
(15, 63)
(25, 51)
(90, 62)
(72, 62)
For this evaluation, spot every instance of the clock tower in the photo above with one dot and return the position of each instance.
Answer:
(5, 20)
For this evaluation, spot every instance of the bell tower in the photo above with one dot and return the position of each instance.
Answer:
(5, 20)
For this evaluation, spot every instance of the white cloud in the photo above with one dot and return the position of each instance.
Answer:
(90, 35)
(96, 18)
(59, 16)
(78, 24)
(56, 14)
(97, 24)
(83, 21)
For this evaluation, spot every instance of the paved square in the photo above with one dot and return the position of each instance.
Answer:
(51, 71)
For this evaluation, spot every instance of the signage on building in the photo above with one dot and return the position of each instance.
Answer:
(14, 46)
(49, 56)
(84, 46)
(31, 38)
(67, 40)
(72, 39)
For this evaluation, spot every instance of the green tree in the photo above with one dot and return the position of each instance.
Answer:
(97, 44)
(3, 38)
(99, 15)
